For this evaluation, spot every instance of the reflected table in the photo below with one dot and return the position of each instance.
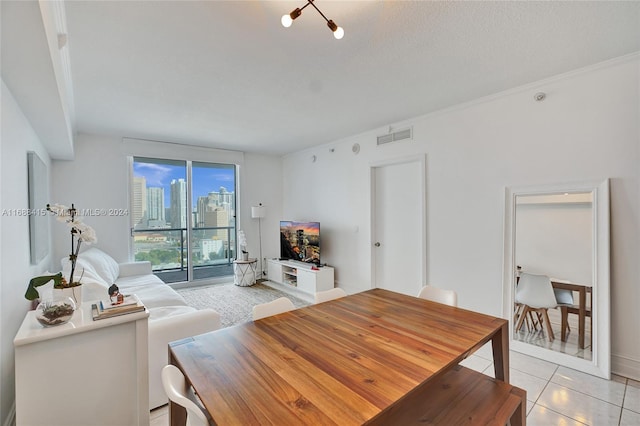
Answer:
(582, 310)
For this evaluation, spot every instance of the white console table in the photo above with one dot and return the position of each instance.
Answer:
(84, 372)
(301, 275)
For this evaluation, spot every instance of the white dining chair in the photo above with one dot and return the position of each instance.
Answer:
(325, 296)
(535, 293)
(440, 295)
(278, 306)
(177, 390)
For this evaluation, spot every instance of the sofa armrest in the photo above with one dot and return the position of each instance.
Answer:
(129, 269)
(165, 330)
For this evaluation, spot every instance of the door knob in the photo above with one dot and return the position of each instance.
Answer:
(377, 244)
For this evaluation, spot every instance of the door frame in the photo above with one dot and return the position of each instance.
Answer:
(421, 159)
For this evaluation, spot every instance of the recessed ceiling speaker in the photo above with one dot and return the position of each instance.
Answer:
(355, 148)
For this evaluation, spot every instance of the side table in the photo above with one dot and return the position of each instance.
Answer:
(84, 372)
(244, 272)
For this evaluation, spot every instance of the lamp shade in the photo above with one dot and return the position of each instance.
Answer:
(258, 212)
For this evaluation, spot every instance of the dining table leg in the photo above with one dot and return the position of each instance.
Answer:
(582, 313)
(500, 345)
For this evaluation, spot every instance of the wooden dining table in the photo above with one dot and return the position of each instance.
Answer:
(350, 361)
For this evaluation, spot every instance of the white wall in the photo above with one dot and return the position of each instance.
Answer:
(586, 129)
(556, 240)
(16, 138)
(261, 182)
(98, 179)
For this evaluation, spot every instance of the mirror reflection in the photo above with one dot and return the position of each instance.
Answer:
(554, 272)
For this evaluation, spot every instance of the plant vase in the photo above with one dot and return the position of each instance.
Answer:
(51, 313)
(245, 255)
(74, 293)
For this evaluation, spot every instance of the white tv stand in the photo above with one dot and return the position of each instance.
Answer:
(300, 275)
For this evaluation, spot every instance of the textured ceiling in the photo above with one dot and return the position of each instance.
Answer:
(226, 74)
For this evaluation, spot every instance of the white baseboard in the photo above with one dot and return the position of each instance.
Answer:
(625, 367)
(10, 420)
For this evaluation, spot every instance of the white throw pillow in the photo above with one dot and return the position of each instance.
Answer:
(104, 265)
(84, 270)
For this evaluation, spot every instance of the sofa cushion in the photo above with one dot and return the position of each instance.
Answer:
(152, 294)
(168, 312)
(103, 264)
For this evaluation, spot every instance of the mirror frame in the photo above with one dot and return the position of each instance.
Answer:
(600, 365)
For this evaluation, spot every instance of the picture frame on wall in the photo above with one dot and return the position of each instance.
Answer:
(38, 185)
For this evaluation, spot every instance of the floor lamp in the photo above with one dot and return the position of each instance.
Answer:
(258, 212)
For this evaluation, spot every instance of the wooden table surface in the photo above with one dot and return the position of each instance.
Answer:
(349, 361)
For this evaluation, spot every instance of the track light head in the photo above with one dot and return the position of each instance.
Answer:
(338, 32)
(287, 20)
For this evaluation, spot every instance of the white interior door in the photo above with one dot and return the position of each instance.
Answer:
(399, 237)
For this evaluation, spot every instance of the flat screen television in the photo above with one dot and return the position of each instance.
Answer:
(300, 241)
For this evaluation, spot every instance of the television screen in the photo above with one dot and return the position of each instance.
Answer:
(300, 241)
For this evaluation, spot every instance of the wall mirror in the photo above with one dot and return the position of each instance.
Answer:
(556, 274)
(38, 184)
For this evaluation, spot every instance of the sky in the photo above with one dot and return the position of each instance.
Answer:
(205, 179)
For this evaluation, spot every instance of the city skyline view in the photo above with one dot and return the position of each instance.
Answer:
(204, 179)
(169, 233)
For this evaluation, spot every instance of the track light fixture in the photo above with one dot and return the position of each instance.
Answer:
(288, 19)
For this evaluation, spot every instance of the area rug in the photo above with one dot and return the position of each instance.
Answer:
(232, 302)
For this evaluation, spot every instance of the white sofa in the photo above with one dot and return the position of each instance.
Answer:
(170, 318)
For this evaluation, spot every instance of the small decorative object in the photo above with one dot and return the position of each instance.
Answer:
(80, 233)
(50, 313)
(242, 242)
(115, 296)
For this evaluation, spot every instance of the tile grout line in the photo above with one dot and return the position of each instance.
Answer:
(595, 397)
(548, 408)
(624, 397)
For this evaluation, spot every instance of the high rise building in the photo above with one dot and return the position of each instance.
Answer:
(178, 203)
(215, 202)
(155, 207)
(217, 218)
(139, 202)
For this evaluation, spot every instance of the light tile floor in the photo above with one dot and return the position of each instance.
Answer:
(539, 336)
(555, 395)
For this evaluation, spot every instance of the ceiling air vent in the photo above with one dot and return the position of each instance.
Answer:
(396, 136)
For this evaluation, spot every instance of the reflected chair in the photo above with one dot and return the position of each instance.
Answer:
(535, 294)
(179, 392)
(278, 306)
(325, 296)
(440, 295)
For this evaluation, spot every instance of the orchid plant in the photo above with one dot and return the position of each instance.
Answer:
(80, 233)
(242, 241)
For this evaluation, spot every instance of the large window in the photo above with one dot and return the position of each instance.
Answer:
(183, 217)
